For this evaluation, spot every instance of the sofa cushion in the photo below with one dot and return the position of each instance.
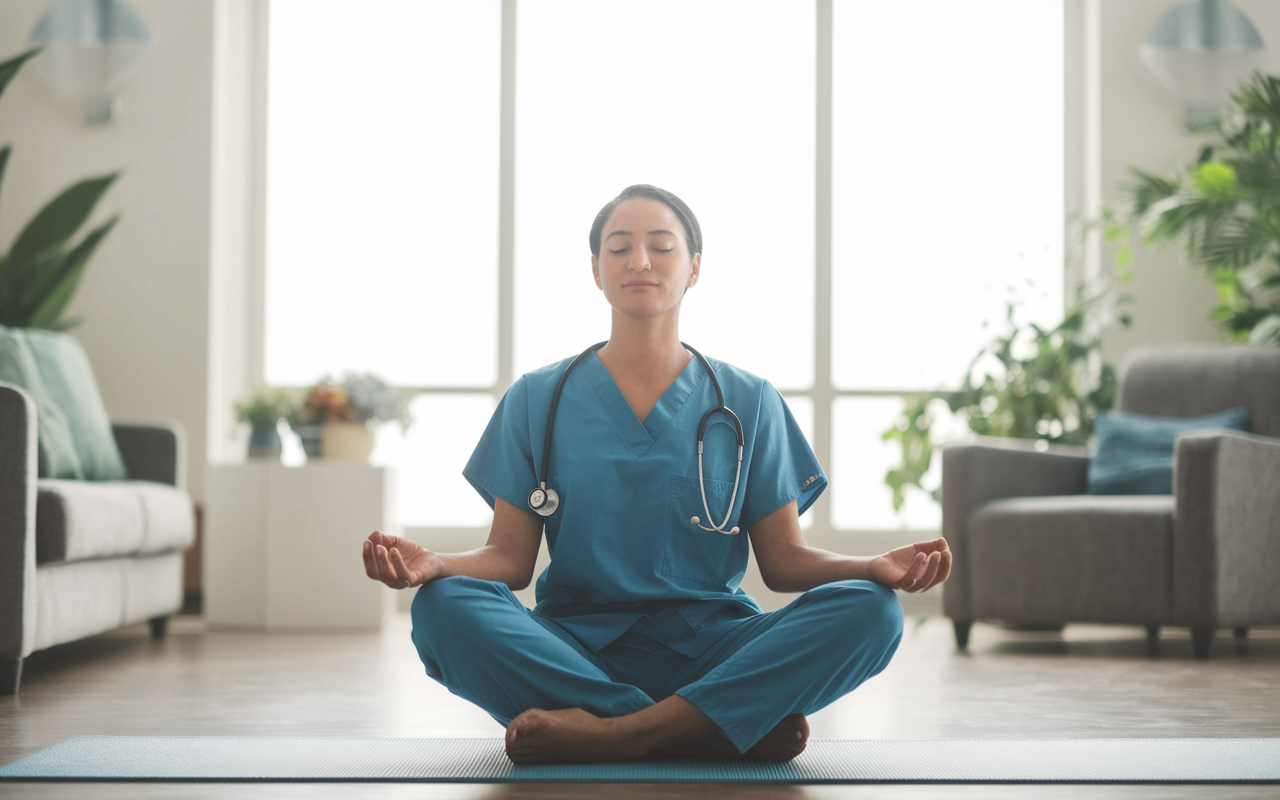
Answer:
(79, 520)
(1075, 558)
(57, 457)
(1135, 451)
(68, 380)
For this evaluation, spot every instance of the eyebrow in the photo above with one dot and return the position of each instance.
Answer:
(628, 233)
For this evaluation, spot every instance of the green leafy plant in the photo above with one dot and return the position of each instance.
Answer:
(1029, 382)
(266, 406)
(1223, 210)
(42, 270)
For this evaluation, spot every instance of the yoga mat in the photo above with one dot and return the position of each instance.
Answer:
(211, 758)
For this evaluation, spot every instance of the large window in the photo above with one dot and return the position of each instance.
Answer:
(384, 236)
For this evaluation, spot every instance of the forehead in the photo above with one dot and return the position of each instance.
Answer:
(642, 214)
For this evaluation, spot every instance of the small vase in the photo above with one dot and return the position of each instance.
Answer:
(312, 438)
(347, 441)
(264, 441)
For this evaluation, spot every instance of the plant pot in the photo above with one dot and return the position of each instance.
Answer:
(312, 438)
(264, 441)
(347, 441)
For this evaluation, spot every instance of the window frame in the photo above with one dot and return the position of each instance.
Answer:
(1081, 95)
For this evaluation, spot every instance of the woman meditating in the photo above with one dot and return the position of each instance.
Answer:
(648, 468)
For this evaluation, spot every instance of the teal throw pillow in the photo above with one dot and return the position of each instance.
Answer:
(55, 444)
(68, 379)
(1134, 453)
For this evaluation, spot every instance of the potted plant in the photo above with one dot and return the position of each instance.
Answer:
(343, 414)
(1029, 382)
(263, 410)
(1223, 211)
(42, 270)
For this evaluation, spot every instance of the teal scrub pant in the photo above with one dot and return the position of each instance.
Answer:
(482, 644)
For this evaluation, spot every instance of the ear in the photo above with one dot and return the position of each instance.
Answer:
(697, 267)
(595, 273)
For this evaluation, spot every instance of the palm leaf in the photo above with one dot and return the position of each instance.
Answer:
(4, 160)
(48, 312)
(1146, 189)
(59, 219)
(10, 68)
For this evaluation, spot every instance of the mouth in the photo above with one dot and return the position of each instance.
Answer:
(630, 284)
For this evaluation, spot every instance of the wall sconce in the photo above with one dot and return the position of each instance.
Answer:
(1201, 52)
(90, 48)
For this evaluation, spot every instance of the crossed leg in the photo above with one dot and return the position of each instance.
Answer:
(560, 703)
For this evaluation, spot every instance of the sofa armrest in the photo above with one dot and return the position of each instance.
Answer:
(153, 451)
(18, 472)
(1226, 544)
(988, 468)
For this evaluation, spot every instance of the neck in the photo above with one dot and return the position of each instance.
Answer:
(645, 342)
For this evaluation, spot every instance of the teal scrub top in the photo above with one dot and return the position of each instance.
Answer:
(621, 541)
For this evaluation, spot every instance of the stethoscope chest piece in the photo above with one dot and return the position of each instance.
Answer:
(544, 501)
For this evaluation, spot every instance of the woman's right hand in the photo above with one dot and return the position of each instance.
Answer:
(398, 562)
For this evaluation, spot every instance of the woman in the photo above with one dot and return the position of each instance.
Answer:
(642, 642)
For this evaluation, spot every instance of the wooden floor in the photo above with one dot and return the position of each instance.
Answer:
(1091, 681)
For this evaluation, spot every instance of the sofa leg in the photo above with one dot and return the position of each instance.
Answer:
(10, 675)
(159, 627)
(1153, 640)
(1202, 642)
(962, 634)
(1242, 632)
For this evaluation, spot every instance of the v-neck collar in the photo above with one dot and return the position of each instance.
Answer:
(642, 435)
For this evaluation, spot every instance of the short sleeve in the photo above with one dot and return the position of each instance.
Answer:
(783, 465)
(502, 463)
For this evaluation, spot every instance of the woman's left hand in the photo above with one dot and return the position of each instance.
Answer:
(914, 568)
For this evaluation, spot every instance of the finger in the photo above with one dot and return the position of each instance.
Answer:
(386, 572)
(944, 570)
(913, 571)
(370, 568)
(930, 572)
(402, 569)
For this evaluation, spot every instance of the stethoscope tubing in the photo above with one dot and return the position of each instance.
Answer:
(702, 430)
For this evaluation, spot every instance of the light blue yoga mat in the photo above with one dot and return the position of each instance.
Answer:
(212, 758)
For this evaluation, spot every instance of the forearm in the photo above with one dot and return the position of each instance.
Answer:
(487, 563)
(799, 569)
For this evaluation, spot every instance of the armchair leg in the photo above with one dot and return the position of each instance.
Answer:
(1202, 642)
(10, 675)
(1242, 632)
(962, 634)
(159, 627)
(1153, 640)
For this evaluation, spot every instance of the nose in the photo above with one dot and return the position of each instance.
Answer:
(639, 261)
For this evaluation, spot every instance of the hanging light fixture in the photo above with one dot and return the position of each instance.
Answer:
(89, 49)
(1201, 52)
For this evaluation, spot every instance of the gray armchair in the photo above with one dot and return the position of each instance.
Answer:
(79, 558)
(1032, 548)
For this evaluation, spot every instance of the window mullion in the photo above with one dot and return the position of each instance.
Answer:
(822, 389)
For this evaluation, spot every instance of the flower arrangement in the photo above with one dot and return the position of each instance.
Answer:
(359, 397)
(265, 407)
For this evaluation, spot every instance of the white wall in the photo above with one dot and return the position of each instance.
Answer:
(145, 296)
(1144, 126)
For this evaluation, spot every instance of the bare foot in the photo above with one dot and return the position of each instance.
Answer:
(783, 743)
(566, 735)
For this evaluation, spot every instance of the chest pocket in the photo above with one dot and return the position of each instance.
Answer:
(690, 553)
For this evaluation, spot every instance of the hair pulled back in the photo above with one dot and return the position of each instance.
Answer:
(692, 232)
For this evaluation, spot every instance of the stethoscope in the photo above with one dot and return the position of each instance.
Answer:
(545, 501)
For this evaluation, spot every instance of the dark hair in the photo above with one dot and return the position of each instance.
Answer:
(692, 233)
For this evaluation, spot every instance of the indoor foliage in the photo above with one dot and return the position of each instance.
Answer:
(1029, 382)
(1224, 212)
(42, 270)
